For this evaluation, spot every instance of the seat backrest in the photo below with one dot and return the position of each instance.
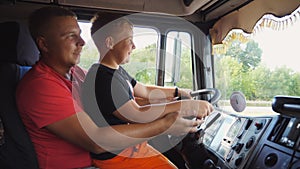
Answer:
(17, 53)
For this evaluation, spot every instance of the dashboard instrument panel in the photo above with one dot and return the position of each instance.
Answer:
(235, 141)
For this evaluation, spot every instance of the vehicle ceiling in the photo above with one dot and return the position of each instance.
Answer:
(216, 17)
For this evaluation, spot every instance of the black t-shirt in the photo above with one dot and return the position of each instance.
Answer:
(104, 91)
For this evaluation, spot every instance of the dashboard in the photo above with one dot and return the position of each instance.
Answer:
(235, 141)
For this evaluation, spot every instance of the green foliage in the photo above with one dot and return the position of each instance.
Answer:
(146, 76)
(142, 64)
(241, 70)
(89, 55)
(262, 90)
(249, 56)
(186, 76)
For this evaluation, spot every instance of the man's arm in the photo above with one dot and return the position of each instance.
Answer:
(80, 130)
(134, 113)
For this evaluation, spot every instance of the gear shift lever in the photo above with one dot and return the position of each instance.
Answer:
(195, 154)
(209, 164)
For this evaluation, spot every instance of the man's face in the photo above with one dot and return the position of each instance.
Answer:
(63, 40)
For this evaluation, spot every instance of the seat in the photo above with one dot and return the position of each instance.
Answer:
(17, 53)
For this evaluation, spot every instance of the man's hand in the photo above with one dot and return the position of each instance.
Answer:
(179, 125)
(195, 108)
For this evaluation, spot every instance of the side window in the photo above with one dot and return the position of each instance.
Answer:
(178, 60)
(142, 64)
(143, 60)
(89, 54)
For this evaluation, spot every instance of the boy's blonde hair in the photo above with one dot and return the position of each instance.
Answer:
(105, 25)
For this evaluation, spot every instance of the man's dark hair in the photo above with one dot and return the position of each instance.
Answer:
(38, 20)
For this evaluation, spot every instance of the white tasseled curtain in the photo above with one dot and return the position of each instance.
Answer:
(273, 22)
(253, 16)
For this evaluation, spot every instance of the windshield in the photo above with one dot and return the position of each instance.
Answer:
(260, 65)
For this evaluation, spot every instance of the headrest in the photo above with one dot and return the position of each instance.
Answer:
(16, 44)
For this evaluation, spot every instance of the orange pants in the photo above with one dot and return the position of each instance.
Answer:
(141, 156)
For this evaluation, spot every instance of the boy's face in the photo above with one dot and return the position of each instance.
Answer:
(123, 44)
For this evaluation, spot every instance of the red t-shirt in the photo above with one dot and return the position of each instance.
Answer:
(45, 97)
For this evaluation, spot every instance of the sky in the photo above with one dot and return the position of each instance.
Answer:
(280, 47)
(85, 30)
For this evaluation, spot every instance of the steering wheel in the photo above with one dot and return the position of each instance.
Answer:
(216, 94)
(189, 146)
(214, 99)
(179, 142)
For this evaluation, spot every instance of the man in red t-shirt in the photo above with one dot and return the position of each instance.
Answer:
(47, 99)
(43, 106)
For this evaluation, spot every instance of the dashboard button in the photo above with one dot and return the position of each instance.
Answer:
(240, 134)
(250, 142)
(258, 125)
(229, 155)
(248, 124)
(239, 160)
(271, 160)
(238, 147)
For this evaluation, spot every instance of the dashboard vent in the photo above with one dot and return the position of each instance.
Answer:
(286, 132)
(278, 129)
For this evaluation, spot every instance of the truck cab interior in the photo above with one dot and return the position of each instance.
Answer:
(181, 40)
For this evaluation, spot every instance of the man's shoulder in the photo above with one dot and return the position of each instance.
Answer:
(39, 77)
(37, 73)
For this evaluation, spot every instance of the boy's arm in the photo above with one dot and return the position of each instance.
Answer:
(153, 93)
